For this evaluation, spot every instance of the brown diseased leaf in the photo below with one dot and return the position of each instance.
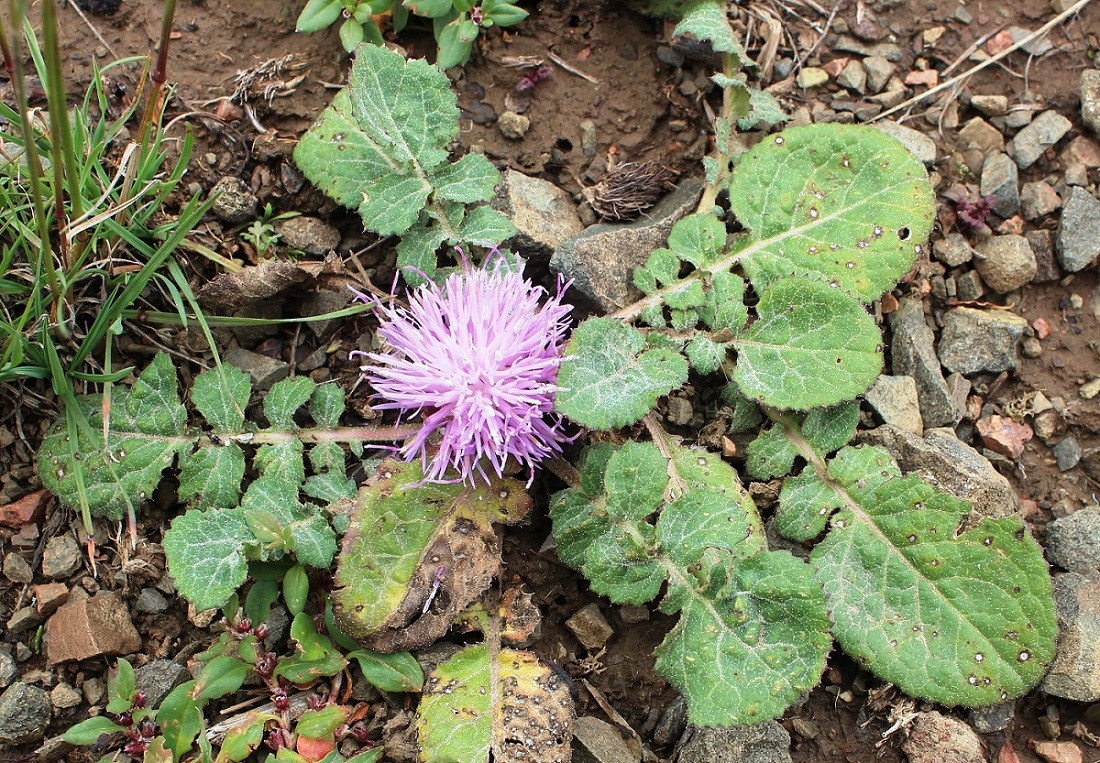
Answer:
(230, 292)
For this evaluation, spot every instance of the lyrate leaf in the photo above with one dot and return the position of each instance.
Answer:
(824, 430)
(961, 618)
(211, 477)
(205, 551)
(515, 708)
(285, 398)
(811, 346)
(221, 396)
(707, 21)
(326, 405)
(845, 204)
(609, 380)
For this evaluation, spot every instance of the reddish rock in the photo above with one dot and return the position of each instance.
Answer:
(835, 67)
(1042, 328)
(24, 510)
(1003, 435)
(998, 42)
(49, 596)
(89, 628)
(1059, 752)
(929, 77)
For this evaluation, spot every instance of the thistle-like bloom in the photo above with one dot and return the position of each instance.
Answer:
(478, 358)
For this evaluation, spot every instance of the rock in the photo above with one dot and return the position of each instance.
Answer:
(919, 144)
(1075, 672)
(1090, 462)
(913, 351)
(1067, 453)
(680, 411)
(595, 741)
(24, 714)
(590, 627)
(234, 203)
(765, 743)
(979, 134)
(1044, 131)
(262, 370)
(1090, 389)
(633, 613)
(953, 250)
(1000, 179)
(1081, 150)
(94, 627)
(894, 398)
(1059, 752)
(969, 286)
(1003, 435)
(1038, 199)
(1089, 90)
(601, 260)
(320, 302)
(990, 105)
(8, 669)
(1073, 542)
(589, 138)
(1042, 245)
(94, 690)
(62, 556)
(544, 215)
(24, 510)
(24, 619)
(158, 678)
(974, 341)
(879, 71)
(64, 696)
(853, 77)
(512, 125)
(151, 601)
(309, 235)
(951, 465)
(1078, 239)
(16, 568)
(672, 724)
(49, 596)
(990, 720)
(811, 76)
(1006, 262)
(936, 738)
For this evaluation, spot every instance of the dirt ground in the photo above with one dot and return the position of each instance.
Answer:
(639, 108)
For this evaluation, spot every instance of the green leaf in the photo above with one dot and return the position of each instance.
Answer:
(698, 238)
(406, 537)
(416, 252)
(154, 402)
(753, 633)
(725, 306)
(318, 14)
(397, 672)
(261, 596)
(485, 226)
(314, 541)
(840, 202)
(87, 732)
(705, 355)
(282, 462)
(315, 658)
(707, 21)
(369, 756)
(351, 34)
(453, 49)
(205, 551)
(462, 716)
(221, 396)
(212, 476)
(326, 405)
(960, 618)
(824, 430)
(763, 107)
(180, 719)
(121, 685)
(219, 677)
(811, 346)
(296, 589)
(241, 741)
(319, 724)
(284, 399)
(471, 179)
(745, 415)
(608, 381)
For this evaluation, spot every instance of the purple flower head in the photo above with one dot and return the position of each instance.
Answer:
(478, 358)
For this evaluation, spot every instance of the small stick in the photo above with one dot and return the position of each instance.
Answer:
(828, 24)
(1075, 8)
(570, 68)
(609, 710)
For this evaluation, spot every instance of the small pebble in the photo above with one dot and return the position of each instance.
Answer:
(1067, 453)
(16, 568)
(513, 126)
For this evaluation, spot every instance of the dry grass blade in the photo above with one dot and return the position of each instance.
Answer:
(629, 189)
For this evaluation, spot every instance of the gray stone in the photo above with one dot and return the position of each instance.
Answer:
(888, 50)
(263, 371)
(1073, 542)
(672, 724)
(669, 56)
(1044, 132)
(158, 678)
(975, 341)
(61, 557)
(320, 302)
(24, 619)
(8, 669)
(1036, 46)
(990, 105)
(969, 286)
(590, 627)
(544, 215)
(879, 71)
(309, 235)
(1000, 179)
(1038, 199)
(680, 411)
(589, 138)
(990, 720)
(979, 134)
(1078, 239)
(24, 714)
(596, 741)
(94, 690)
(894, 398)
(853, 77)
(913, 351)
(1006, 262)
(1042, 244)
(63, 696)
(1067, 453)
(601, 260)
(151, 601)
(1075, 671)
(16, 568)
(1090, 462)
(1089, 90)
(919, 144)
(513, 126)
(951, 465)
(953, 250)
(765, 743)
(234, 203)
(936, 738)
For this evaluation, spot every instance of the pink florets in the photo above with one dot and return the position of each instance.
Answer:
(478, 358)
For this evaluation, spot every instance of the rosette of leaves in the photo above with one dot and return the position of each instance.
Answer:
(835, 215)
(456, 23)
(381, 148)
(210, 546)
